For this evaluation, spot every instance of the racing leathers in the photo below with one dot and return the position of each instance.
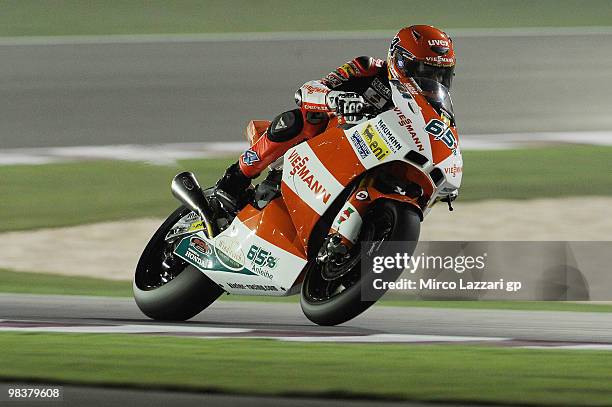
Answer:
(342, 93)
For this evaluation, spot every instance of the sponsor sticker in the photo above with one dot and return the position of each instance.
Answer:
(454, 170)
(440, 43)
(200, 245)
(250, 157)
(407, 124)
(261, 261)
(380, 87)
(334, 79)
(347, 70)
(346, 214)
(254, 287)
(315, 89)
(229, 252)
(374, 98)
(375, 142)
(362, 195)
(440, 60)
(196, 257)
(198, 225)
(300, 170)
(392, 142)
(359, 144)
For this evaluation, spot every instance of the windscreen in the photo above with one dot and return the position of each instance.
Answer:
(438, 96)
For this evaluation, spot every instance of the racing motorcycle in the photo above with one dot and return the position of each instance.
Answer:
(307, 225)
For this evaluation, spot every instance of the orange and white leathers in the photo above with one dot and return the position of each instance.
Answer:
(318, 171)
(362, 75)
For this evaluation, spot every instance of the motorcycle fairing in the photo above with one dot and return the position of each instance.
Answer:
(315, 174)
(242, 262)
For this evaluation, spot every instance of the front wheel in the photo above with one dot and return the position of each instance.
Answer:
(166, 287)
(332, 301)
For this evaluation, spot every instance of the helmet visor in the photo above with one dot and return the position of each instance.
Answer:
(411, 67)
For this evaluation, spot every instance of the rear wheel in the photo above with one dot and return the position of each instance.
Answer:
(331, 294)
(166, 287)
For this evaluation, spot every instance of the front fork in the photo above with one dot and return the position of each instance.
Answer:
(345, 229)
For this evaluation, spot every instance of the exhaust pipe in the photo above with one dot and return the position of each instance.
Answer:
(186, 189)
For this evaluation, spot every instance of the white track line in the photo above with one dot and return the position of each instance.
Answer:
(233, 333)
(128, 329)
(292, 36)
(392, 338)
(572, 347)
(168, 154)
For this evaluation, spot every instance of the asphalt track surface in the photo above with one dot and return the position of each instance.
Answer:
(287, 317)
(162, 92)
(534, 327)
(144, 93)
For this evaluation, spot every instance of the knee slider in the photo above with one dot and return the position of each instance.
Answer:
(286, 126)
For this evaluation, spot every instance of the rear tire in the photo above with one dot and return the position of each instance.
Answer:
(342, 307)
(185, 295)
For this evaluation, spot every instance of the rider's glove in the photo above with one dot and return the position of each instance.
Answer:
(347, 105)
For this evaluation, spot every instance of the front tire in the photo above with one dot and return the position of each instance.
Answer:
(174, 293)
(324, 308)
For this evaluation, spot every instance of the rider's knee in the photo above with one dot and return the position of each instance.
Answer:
(286, 126)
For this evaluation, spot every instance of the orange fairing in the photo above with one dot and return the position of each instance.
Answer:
(335, 152)
(255, 129)
(376, 194)
(274, 225)
(303, 215)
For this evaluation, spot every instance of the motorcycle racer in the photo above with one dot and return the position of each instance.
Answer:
(358, 88)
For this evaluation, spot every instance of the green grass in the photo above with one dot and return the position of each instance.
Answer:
(77, 17)
(537, 173)
(76, 193)
(42, 283)
(468, 374)
(37, 196)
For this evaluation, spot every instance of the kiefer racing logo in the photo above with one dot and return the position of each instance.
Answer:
(301, 171)
(375, 142)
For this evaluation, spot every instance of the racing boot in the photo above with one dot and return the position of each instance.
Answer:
(231, 191)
